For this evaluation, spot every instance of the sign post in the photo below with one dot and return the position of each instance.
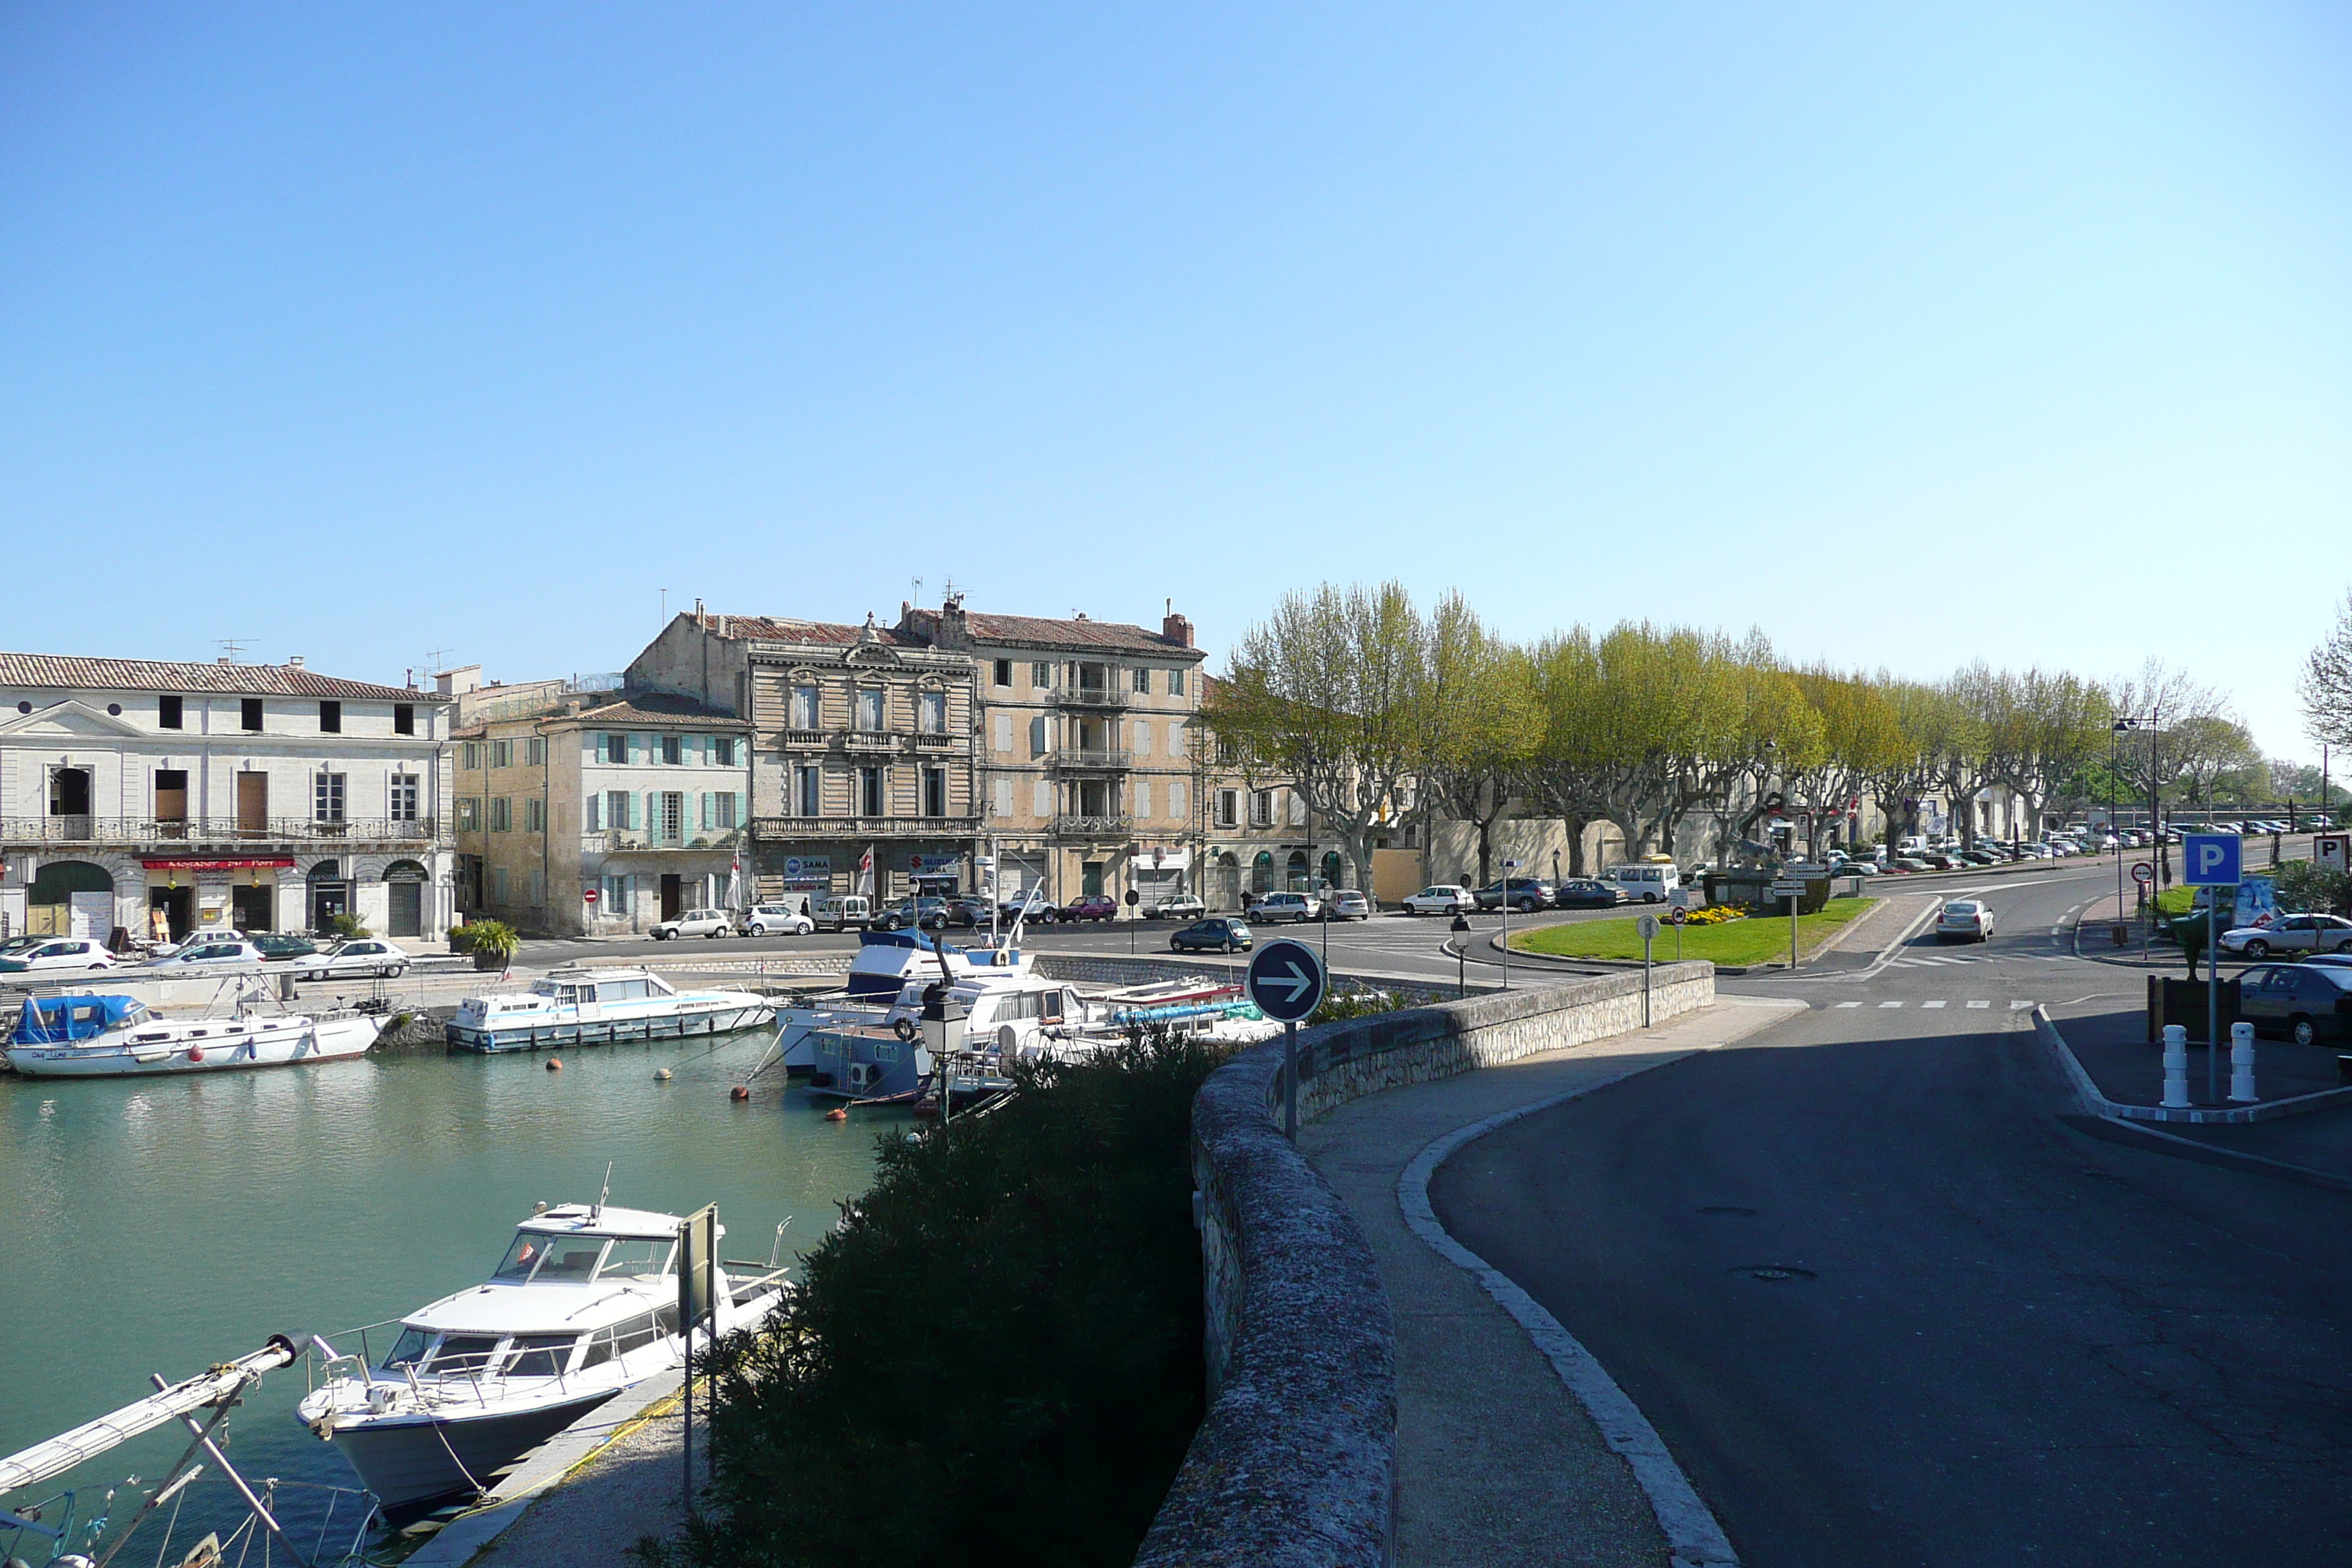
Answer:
(1133, 899)
(1790, 889)
(698, 1290)
(1678, 915)
(1504, 903)
(2212, 861)
(2143, 874)
(2333, 851)
(1648, 926)
(1287, 981)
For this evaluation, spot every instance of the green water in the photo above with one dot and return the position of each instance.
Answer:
(160, 1225)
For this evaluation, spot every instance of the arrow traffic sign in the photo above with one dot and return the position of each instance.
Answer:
(1285, 980)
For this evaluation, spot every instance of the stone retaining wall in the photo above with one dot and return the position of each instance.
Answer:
(1295, 1464)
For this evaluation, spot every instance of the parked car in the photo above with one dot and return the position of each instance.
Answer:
(1176, 907)
(210, 954)
(1943, 859)
(1967, 919)
(1588, 893)
(359, 957)
(1440, 898)
(969, 913)
(1297, 908)
(899, 916)
(1853, 868)
(1090, 907)
(777, 920)
(842, 911)
(1528, 894)
(1347, 904)
(1645, 881)
(282, 944)
(1218, 933)
(1909, 863)
(58, 953)
(694, 923)
(2305, 1002)
(2290, 934)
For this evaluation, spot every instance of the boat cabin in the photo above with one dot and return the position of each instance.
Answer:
(60, 1020)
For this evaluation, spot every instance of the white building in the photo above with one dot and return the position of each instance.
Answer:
(265, 797)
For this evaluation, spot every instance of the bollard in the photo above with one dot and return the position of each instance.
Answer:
(2176, 1066)
(2241, 1064)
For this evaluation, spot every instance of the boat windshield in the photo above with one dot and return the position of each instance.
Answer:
(638, 1257)
(408, 1349)
(462, 1354)
(537, 1254)
(538, 1355)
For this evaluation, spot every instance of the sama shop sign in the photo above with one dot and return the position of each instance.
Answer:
(249, 863)
(799, 866)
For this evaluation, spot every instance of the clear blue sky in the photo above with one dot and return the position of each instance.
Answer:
(362, 330)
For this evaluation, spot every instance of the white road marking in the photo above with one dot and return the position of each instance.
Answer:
(1883, 1006)
(2019, 1006)
(1849, 1004)
(1931, 1003)
(1980, 1003)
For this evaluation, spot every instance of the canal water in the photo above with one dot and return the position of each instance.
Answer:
(161, 1224)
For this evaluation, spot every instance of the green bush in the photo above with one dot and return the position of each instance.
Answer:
(348, 926)
(2307, 885)
(997, 1357)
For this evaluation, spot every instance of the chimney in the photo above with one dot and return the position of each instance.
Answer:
(1175, 629)
(699, 618)
(223, 659)
(293, 661)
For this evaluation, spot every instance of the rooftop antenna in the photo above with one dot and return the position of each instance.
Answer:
(436, 655)
(916, 593)
(665, 594)
(232, 646)
(597, 1214)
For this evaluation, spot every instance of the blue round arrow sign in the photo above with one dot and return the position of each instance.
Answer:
(1286, 981)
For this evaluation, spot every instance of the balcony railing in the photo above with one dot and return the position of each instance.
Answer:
(1085, 696)
(870, 742)
(777, 827)
(613, 841)
(213, 830)
(1080, 826)
(1092, 760)
(808, 737)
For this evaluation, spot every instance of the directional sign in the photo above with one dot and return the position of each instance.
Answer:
(1648, 926)
(1285, 980)
(1787, 889)
(2143, 872)
(2209, 859)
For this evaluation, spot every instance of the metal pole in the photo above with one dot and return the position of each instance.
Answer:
(1792, 930)
(2213, 995)
(1290, 1083)
(686, 1319)
(1646, 982)
(1506, 907)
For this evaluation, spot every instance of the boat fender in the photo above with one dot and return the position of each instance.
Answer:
(661, 1075)
(905, 1029)
(555, 1064)
(739, 1092)
(195, 1053)
(836, 1114)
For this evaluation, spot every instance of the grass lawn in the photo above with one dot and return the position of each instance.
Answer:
(2175, 900)
(1756, 940)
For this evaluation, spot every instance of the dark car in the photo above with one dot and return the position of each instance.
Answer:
(925, 912)
(969, 913)
(1529, 894)
(1589, 893)
(1219, 933)
(274, 944)
(1093, 907)
(2308, 1002)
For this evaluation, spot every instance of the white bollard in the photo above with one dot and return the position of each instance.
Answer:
(2241, 1064)
(2176, 1066)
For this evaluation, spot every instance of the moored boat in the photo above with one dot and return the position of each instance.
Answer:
(885, 963)
(116, 1036)
(598, 1006)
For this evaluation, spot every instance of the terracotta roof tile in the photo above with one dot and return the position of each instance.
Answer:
(1038, 630)
(651, 710)
(61, 672)
(772, 628)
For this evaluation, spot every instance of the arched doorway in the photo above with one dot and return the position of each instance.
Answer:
(1262, 872)
(329, 894)
(1331, 865)
(1295, 871)
(70, 898)
(404, 881)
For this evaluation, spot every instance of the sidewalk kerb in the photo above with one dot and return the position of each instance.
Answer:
(2097, 1103)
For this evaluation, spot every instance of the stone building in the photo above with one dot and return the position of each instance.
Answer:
(1087, 779)
(861, 743)
(595, 813)
(135, 793)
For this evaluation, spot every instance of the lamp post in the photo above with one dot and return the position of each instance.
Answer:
(2115, 735)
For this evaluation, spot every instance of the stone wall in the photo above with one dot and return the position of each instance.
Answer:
(1294, 1463)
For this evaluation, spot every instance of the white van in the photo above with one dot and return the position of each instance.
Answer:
(840, 911)
(1647, 881)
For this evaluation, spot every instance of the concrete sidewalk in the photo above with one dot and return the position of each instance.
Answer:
(1496, 1462)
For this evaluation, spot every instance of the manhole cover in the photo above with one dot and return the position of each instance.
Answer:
(1773, 1273)
(1732, 1209)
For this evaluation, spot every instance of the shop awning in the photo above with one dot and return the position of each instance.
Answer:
(247, 863)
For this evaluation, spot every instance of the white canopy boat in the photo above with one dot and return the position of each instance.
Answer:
(599, 1006)
(585, 1304)
(879, 972)
(113, 1036)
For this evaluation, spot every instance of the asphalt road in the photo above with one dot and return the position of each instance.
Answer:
(1886, 1306)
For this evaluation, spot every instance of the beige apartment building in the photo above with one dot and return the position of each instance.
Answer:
(861, 745)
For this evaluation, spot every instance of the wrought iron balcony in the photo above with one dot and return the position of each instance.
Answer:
(1082, 760)
(614, 840)
(784, 828)
(1085, 696)
(808, 738)
(145, 830)
(1081, 826)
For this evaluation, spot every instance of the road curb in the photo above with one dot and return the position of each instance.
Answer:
(2097, 1103)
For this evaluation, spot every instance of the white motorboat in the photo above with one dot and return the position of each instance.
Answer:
(584, 1305)
(885, 963)
(114, 1036)
(599, 1006)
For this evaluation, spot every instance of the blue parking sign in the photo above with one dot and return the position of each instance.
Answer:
(2209, 859)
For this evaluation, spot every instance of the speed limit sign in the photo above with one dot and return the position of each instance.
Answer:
(2143, 872)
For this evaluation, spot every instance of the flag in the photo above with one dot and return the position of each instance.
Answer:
(865, 873)
(735, 882)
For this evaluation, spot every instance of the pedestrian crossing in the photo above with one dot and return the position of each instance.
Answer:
(1978, 1003)
(1930, 961)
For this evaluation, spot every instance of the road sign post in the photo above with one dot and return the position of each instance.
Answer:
(1504, 903)
(1678, 916)
(1287, 981)
(2212, 861)
(1648, 926)
(697, 1300)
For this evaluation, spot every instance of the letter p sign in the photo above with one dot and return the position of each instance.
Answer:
(2209, 859)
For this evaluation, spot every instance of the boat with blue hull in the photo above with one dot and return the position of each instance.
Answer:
(886, 962)
(599, 1007)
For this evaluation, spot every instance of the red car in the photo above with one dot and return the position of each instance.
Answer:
(1095, 907)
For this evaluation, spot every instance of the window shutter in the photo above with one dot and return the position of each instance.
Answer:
(1004, 797)
(594, 824)
(1176, 798)
(1037, 736)
(1143, 737)
(1004, 731)
(1041, 797)
(1143, 797)
(1298, 808)
(704, 807)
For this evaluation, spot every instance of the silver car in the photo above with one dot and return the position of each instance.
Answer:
(1347, 904)
(2290, 934)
